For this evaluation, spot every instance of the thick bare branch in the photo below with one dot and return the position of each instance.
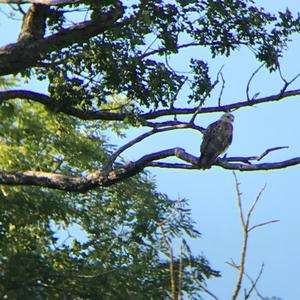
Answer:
(34, 23)
(48, 102)
(93, 180)
(109, 177)
(18, 56)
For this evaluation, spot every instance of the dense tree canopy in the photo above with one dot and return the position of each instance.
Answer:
(107, 67)
(115, 49)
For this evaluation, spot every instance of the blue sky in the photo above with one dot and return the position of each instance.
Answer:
(212, 192)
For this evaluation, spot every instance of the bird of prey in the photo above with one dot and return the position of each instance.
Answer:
(216, 139)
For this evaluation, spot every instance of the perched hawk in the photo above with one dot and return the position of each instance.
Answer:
(216, 139)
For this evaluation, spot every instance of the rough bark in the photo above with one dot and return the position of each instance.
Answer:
(26, 53)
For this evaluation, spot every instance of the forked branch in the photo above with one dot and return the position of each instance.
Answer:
(108, 177)
(245, 221)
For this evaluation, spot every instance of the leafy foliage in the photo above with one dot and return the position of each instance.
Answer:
(112, 246)
(131, 58)
(109, 243)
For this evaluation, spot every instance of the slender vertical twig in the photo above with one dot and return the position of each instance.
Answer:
(250, 79)
(171, 265)
(180, 272)
(245, 221)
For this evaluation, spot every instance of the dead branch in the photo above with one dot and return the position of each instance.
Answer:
(249, 82)
(257, 167)
(265, 153)
(245, 223)
(263, 224)
(208, 292)
(222, 89)
(286, 82)
(247, 159)
(253, 282)
(246, 228)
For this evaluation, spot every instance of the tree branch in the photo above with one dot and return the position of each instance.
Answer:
(119, 116)
(257, 167)
(253, 283)
(21, 55)
(263, 224)
(249, 82)
(143, 136)
(106, 177)
(246, 228)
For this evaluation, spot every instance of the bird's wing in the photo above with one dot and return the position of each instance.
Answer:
(210, 135)
(216, 140)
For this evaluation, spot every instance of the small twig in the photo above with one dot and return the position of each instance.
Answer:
(177, 92)
(172, 165)
(262, 224)
(180, 272)
(175, 123)
(222, 89)
(270, 150)
(209, 292)
(246, 159)
(250, 79)
(281, 76)
(286, 83)
(253, 283)
(113, 157)
(253, 205)
(238, 193)
(205, 96)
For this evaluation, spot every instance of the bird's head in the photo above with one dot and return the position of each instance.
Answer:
(227, 118)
